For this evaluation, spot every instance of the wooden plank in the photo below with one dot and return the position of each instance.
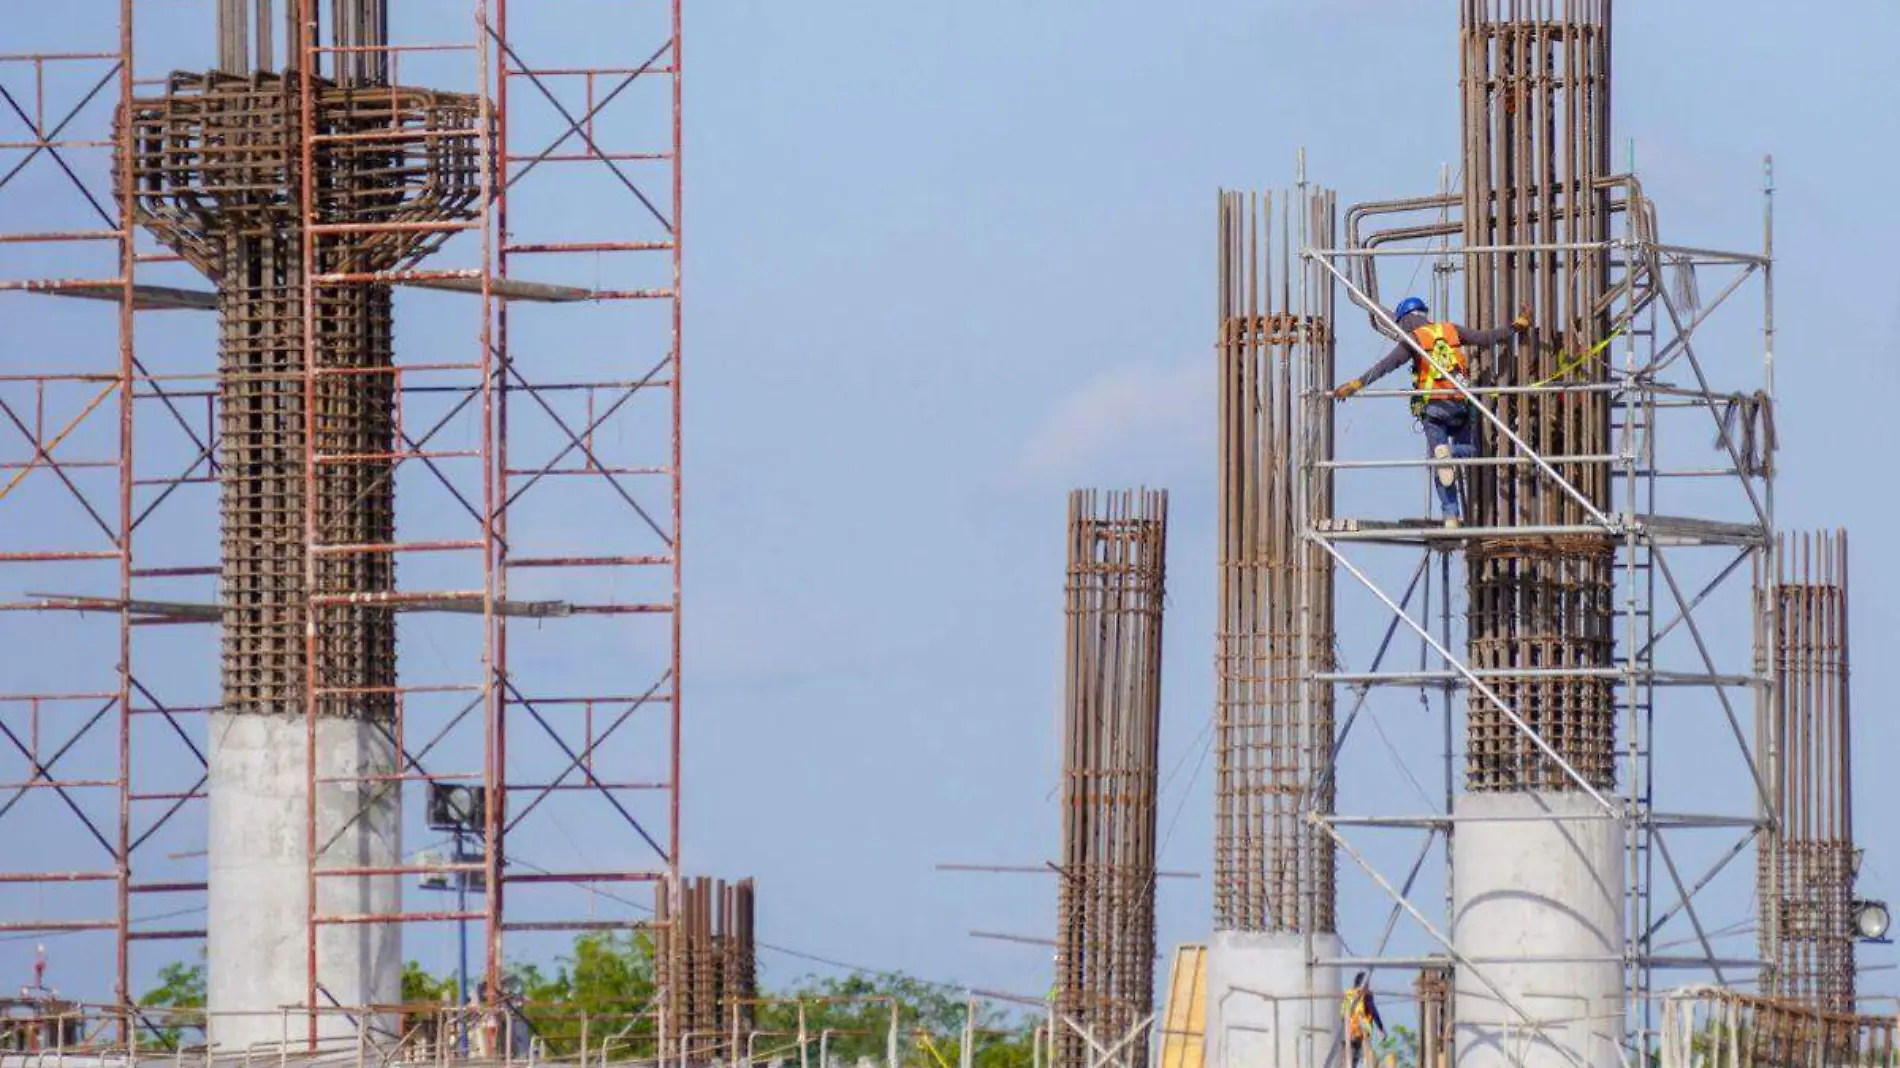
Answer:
(1184, 1017)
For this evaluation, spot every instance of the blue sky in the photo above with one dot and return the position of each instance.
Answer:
(946, 261)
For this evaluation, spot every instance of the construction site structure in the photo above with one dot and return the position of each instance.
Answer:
(708, 961)
(1703, 1025)
(1433, 990)
(1274, 892)
(1111, 730)
(1808, 860)
(1602, 533)
(227, 533)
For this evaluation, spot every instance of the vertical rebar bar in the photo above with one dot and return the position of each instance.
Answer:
(1117, 577)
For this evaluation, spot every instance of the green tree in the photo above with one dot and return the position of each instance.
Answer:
(856, 1010)
(420, 987)
(175, 1007)
(602, 989)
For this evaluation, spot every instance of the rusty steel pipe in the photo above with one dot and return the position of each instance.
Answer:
(708, 960)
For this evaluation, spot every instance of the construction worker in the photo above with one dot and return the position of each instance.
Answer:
(1451, 424)
(1361, 1014)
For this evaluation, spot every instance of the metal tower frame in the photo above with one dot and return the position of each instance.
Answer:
(1664, 385)
(537, 374)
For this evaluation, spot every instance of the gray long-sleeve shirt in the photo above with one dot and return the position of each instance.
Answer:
(1403, 354)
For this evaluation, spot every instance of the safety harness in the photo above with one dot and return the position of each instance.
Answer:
(1443, 363)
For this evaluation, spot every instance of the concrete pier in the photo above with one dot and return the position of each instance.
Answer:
(1261, 1013)
(1538, 911)
(259, 900)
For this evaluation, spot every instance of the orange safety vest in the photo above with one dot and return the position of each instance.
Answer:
(1432, 374)
(1358, 1020)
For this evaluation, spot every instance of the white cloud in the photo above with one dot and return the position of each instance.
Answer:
(1142, 421)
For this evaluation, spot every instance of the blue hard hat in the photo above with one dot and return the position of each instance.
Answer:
(1408, 306)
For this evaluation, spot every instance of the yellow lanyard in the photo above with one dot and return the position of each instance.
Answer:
(1567, 366)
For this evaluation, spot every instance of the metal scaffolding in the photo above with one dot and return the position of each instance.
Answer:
(1712, 1025)
(1602, 533)
(1117, 582)
(1808, 859)
(476, 460)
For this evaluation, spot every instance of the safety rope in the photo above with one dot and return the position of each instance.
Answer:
(1566, 366)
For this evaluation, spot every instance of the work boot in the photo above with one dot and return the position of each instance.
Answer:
(1452, 522)
(1446, 474)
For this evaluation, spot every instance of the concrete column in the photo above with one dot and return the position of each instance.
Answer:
(1292, 1025)
(256, 939)
(1538, 908)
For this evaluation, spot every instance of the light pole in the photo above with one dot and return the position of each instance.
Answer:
(461, 810)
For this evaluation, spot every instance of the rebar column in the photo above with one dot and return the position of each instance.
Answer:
(1433, 989)
(1273, 871)
(708, 966)
(1117, 577)
(1807, 872)
(303, 753)
(1536, 91)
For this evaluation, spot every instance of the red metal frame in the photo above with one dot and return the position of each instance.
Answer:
(555, 450)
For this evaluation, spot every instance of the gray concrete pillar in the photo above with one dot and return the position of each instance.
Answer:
(1261, 1012)
(256, 948)
(1538, 910)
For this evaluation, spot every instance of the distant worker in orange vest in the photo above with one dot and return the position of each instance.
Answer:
(1361, 1013)
(1451, 426)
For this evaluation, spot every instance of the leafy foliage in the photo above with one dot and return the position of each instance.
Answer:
(604, 989)
(1400, 1043)
(176, 1004)
(419, 987)
(856, 1011)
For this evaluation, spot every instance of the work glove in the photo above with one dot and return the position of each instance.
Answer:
(1348, 389)
(1522, 323)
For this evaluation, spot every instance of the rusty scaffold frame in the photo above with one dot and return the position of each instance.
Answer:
(529, 435)
(1716, 1025)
